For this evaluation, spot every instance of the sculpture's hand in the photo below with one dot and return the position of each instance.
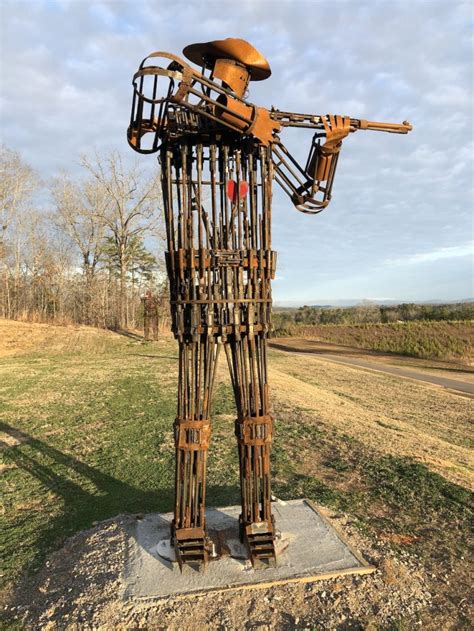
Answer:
(337, 128)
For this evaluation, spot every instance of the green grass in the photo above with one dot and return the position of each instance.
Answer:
(83, 456)
(94, 439)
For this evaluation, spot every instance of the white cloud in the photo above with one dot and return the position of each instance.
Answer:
(450, 252)
(66, 88)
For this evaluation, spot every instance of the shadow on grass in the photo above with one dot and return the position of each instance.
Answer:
(175, 358)
(133, 336)
(87, 495)
(106, 493)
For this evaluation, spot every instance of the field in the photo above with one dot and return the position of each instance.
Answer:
(86, 419)
(438, 340)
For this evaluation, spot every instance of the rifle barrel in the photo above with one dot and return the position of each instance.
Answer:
(315, 121)
(393, 128)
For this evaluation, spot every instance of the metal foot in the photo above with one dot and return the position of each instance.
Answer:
(192, 547)
(259, 539)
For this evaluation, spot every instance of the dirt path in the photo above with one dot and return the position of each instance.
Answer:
(465, 384)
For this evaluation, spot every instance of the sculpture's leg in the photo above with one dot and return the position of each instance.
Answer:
(247, 359)
(197, 365)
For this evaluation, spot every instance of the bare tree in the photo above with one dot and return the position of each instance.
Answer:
(89, 259)
(18, 183)
(79, 213)
(131, 212)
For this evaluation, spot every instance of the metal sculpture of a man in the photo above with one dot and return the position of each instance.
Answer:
(218, 155)
(150, 316)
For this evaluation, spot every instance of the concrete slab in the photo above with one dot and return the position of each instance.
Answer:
(311, 550)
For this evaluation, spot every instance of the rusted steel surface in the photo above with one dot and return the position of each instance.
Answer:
(219, 155)
(150, 316)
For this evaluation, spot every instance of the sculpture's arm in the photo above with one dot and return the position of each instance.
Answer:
(310, 188)
(176, 99)
(153, 88)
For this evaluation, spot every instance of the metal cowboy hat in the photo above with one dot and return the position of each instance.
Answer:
(231, 48)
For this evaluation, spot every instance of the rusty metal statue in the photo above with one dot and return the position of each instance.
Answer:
(218, 155)
(150, 316)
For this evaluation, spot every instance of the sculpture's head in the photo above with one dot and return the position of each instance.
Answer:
(165, 83)
(233, 61)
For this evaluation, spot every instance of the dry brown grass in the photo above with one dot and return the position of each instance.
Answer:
(18, 338)
(388, 414)
(391, 415)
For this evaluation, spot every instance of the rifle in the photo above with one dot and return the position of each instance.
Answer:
(313, 121)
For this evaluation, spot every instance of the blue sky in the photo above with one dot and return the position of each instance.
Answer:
(400, 223)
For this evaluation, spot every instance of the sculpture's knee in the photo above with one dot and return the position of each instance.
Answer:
(192, 435)
(254, 431)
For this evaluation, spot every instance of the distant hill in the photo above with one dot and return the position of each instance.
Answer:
(354, 302)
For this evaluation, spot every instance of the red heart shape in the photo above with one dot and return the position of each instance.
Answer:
(243, 189)
(232, 193)
(231, 190)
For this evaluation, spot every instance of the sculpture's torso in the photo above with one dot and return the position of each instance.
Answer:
(217, 200)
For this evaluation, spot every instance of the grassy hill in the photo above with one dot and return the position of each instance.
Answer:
(87, 434)
(427, 339)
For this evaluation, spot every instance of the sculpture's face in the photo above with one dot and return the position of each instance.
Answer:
(232, 74)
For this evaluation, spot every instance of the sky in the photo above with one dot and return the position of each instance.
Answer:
(400, 224)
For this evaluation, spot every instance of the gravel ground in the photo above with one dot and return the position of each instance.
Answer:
(79, 587)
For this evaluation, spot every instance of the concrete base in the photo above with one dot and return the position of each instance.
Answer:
(308, 549)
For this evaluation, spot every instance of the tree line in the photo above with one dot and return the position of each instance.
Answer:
(370, 313)
(79, 249)
(83, 249)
